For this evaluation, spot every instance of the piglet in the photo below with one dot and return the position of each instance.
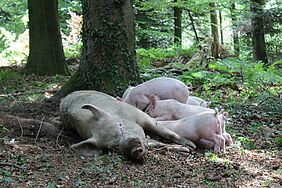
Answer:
(171, 109)
(162, 88)
(202, 126)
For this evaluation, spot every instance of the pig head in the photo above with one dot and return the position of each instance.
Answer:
(162, 88)
(192, 100)
(106, 123)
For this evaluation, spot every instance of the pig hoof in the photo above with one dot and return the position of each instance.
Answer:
(216, 150)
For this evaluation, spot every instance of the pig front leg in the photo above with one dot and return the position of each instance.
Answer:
(87, 147)
(218, 140)
(170, 135)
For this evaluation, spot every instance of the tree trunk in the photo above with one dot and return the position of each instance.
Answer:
(220, 26)
(177, 25)
(258, 40)
(108, 55)
(193, 25)
(46, 55)
(234, 30)
(214, 30)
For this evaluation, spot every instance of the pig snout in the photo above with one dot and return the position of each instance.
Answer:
(135, 149)
(138, 153)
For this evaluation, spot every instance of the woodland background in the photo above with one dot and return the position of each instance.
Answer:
(230, 51)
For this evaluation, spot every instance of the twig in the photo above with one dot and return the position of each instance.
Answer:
(28, 93)
(57, 139)
(20, 127)
(11, 165)
(39, 129)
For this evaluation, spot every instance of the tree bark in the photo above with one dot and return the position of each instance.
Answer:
(220, 26)
(234, 30)
(108, 56)
(258, 40)
(177, 24)
(46, 56)
(214, 30)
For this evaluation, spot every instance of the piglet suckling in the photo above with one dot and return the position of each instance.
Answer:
(205, 125)
(171, 109)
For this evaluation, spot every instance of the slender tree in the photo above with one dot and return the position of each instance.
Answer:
(108, 55)
(221, 27)
(177, 24)
(258, 40)
(193, 25)
(234, 30)
(46, 55)
(214, 30)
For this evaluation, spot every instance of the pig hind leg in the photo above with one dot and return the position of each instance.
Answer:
(219, 141)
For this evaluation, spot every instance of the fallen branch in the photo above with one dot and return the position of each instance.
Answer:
(29, 127)
(39, 129)
(20, 127)
(57, 139)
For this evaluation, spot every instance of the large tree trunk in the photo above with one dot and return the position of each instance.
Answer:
(234, 30)
(177, 24)
(258, 40)
(214, 30)
(108, 56)
(46, 56)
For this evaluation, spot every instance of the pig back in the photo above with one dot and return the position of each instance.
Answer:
(162, 88)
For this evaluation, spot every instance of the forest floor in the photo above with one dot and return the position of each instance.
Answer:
(32, 157)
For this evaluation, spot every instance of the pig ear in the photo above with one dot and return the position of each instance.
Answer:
(153, 101)
(216, 111)
(189, 86)
(97, 112)
(87, 147)
(225, 115)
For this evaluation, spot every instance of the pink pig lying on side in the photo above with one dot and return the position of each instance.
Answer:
(203, 126)
(171, 109)
(162, 88)
(192, 100)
